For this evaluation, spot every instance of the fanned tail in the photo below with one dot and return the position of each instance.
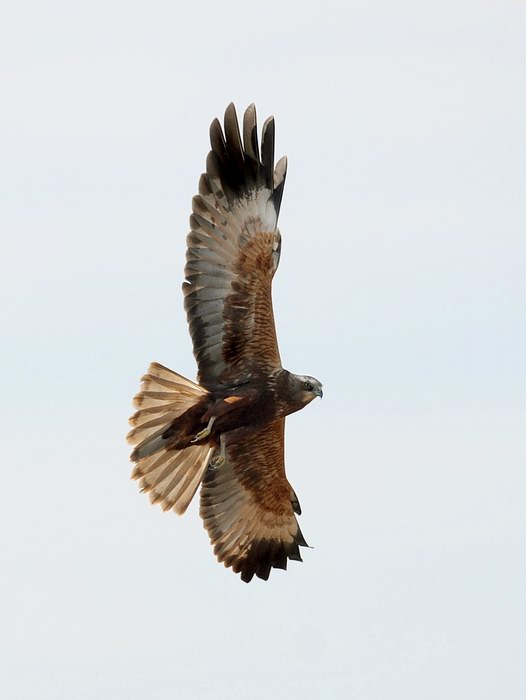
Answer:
(171, 476)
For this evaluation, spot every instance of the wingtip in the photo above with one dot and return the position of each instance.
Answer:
(269, 123)
(215, 128)
(230, 114)
(250, 112)
(280, 172)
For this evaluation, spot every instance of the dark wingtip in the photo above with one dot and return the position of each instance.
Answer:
(239, 162)
(217, 140)
(250, 135)
(265, 555)
(267, 151)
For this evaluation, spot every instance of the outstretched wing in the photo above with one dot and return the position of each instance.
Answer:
(233, 253)
(248, 505)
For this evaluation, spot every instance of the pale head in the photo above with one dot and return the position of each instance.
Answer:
(309, 386)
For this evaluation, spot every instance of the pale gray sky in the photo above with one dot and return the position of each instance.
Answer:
(402, 286)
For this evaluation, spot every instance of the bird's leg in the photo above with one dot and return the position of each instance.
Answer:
(220, 408)
(221, 457)
(202, 434)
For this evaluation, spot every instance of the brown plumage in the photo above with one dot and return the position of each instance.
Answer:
(227, 431)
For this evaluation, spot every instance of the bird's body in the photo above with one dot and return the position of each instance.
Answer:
(252, 404)
(227, 431)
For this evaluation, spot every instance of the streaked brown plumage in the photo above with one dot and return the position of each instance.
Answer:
(227, 431)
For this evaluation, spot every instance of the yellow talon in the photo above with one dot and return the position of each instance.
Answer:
(218, 461)
(202, 434)
(221, 457)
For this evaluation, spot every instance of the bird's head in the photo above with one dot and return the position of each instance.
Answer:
(307, 388)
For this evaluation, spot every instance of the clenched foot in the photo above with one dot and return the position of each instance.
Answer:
(220, 459)
(202, 434)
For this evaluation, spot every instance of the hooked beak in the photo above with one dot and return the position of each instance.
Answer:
(319, 392)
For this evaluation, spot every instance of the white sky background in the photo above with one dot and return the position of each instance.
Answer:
(402, 286)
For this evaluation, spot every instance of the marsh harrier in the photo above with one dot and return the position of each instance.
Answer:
(226, 432)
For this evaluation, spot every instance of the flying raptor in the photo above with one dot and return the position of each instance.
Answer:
(226, 432)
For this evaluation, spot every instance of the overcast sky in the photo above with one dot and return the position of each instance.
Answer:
(402, 286)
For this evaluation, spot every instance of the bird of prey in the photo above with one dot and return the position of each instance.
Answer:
(226, 432)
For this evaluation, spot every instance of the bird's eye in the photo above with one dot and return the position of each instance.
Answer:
(308, 386)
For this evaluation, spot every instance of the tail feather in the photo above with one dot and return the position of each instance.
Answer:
(170, 476)
(164, 396)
